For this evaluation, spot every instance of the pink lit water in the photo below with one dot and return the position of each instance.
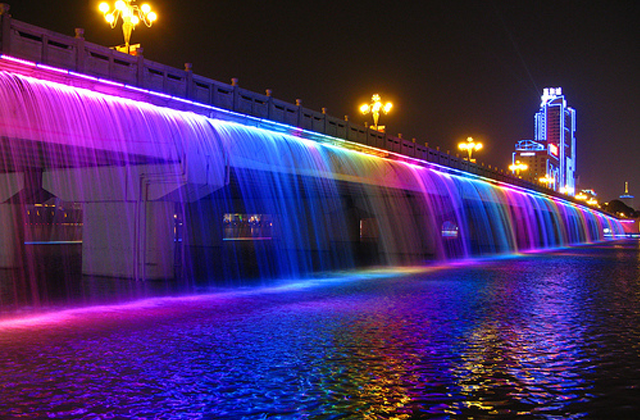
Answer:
(543, 336)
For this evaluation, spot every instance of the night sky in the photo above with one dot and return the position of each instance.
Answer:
(453, 69)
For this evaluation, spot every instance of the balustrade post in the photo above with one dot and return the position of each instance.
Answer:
(140, 69)
(299, 105)
(269, 92)
(5, 29)
(44, 49)
(324, 120)
(234, 93)
(347, 127)
(188, 68)
(80, 50)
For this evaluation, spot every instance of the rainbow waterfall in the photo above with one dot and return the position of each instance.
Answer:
(151, 192)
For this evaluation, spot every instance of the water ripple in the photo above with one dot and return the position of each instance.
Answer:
(498, 340)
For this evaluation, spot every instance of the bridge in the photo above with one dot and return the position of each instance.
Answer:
(160, 171)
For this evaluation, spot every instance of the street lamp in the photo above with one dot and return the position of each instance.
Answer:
(375, 107)
(548, 182)
(517, 167)
(131, 15)
(545, 180)
(470, 146)
(593, 202)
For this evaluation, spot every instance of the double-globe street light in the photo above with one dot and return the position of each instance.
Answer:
(547, 181)
(131, 15)
(375, 108)
(517, 167)
(470, 146)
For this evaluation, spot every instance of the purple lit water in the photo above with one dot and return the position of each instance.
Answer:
(549, 335)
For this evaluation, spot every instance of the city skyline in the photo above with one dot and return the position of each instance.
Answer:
(452, 69)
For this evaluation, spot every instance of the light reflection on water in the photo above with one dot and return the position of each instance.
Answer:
(543, 336)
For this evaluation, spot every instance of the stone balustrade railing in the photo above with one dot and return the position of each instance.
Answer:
(29, 42)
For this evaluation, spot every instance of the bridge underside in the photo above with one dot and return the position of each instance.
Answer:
(153, 228)
(18, 155)
(139, 217)
(157, 192)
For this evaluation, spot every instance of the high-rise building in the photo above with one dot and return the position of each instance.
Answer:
(551, 155)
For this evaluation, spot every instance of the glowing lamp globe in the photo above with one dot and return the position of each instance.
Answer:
(131, 15)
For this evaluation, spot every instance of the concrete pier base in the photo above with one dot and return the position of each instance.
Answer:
(129, 217)
(129, 240)
(11, 235)
(11, 220)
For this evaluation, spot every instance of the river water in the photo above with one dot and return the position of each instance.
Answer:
(549, 335)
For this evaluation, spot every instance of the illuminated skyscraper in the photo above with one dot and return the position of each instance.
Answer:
(551, 155)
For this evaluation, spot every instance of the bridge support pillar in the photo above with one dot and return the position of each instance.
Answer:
(11, 228)
(129, 216)
(203, 238)
(129, 239)
(11, 221)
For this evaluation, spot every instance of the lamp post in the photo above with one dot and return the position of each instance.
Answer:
(375, 107)
(131, 15)
(547, 181)
(470, 146)
(517, 167)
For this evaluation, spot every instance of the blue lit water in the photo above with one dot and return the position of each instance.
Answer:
(549, 335)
